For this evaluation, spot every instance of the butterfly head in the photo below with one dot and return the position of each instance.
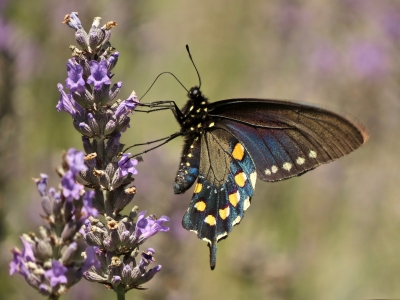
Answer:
(195, 93)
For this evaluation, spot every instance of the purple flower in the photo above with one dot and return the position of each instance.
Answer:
(126, 165)
(368, 59)
(98, 75)
(127, 106)
(147, 227)
(20, 258)
(41, 184)
(73, 21)
(75, 160)
(71, 189)
(75, 82)
(67, 103)
(147, 258)
(91, 259)
(56, 274)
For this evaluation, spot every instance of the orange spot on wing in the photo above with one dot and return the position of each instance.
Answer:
(224, 213)
(234, 198)
(240, 179)
(198, 188)
(200, 206)
(210, 220)
(238, 152)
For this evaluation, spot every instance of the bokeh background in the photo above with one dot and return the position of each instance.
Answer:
(333, 233)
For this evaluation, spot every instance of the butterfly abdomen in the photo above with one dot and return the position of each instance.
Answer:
(189, 165)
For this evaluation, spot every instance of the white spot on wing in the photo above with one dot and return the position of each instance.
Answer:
(267, 172)
(236, 221)
(253, 178)
(287, 166)
(274, 169)
(222, 235)
(246, 203)
(300, 160)
(207, 240)
(312, 154)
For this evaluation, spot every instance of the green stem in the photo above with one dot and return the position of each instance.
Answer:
(107, 203)
(120, 292)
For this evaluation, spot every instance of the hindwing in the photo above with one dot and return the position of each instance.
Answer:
(223, 191)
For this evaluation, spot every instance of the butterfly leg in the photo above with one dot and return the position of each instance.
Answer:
(166, 140)
(167, 104)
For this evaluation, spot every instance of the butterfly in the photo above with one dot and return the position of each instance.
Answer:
(229, 144)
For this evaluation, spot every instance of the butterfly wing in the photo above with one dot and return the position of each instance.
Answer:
(269, 139)
(223, 190)
(287, 139)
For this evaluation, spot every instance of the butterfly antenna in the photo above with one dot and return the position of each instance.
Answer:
(159, 77)
(191, 59)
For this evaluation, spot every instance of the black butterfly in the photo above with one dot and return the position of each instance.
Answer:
(231, 143)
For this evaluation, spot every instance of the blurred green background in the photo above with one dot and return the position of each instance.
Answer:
(331, 234)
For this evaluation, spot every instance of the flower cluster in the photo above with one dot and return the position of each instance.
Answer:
(52, 262)
(113, 239)
(101, 118)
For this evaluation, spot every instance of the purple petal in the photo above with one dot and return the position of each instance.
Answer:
(56, 274)
(75, 82)
(98, 75)
(126, 165)
(71, 189)
(76, 161)
(127, 106)
(41, 184)
(67, 103)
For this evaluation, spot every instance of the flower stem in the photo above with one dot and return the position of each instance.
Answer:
(120, 292)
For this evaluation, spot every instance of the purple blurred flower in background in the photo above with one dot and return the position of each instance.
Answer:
(368, 60)
(324, 59)
(391, 23)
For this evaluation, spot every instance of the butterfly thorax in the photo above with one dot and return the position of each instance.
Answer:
(195, 114)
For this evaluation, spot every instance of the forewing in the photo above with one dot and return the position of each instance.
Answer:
(287, 139)
(223, 190)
